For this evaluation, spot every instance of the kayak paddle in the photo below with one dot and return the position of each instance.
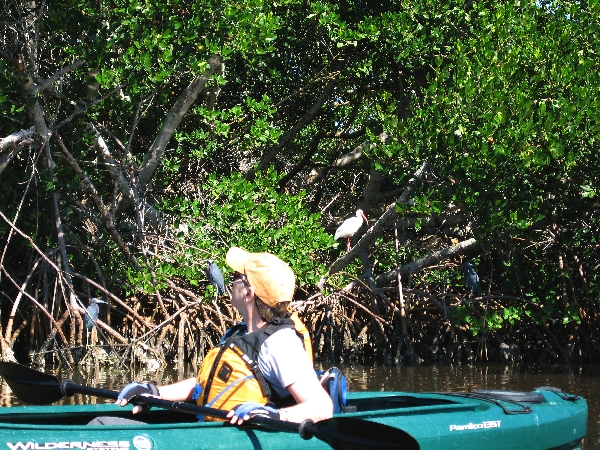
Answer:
(342, 433)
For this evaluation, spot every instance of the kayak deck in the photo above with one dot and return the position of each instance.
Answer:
(542, 419)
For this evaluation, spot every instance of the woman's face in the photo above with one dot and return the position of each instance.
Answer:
(237, 290)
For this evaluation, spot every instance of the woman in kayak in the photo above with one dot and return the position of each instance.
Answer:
(262, 366)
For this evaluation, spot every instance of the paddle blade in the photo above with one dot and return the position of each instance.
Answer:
(350, 433)
(31, 386)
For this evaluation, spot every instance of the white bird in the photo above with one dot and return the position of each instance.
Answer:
(349, 227)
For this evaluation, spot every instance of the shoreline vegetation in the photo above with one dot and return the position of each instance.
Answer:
(343, 329)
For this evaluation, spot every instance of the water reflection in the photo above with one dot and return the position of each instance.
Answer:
(464, 378)
(582, 381)
(6, 397)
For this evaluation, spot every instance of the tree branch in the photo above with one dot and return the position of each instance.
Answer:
(91, 190)
(378, 228)
(428, 260)
(179, 109)
(345, 160)
(123, 185)
(11, 144)
(269, 156)
(39, 87)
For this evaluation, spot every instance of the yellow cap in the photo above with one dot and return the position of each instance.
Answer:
(272, 279)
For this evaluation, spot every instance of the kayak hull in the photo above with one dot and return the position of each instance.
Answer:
(542, 419)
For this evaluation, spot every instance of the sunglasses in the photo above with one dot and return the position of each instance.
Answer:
(237, 276)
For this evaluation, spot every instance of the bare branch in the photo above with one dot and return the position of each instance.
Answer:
(57, 325)
(91, 190)
(378, 228)
(428, 260)
(179, 109)
(269, 156)
(123, 185)
(40, 87)
(348, 158)
(11, 144)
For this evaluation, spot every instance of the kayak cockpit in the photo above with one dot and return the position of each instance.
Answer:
(393, 402)
(67, 415)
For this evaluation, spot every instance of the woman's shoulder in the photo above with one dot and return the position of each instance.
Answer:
(286, 339)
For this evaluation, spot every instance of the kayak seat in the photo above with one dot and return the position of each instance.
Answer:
(114, 420)
(335, 384)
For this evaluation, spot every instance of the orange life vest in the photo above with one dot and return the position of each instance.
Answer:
(229, 374)
(302, 332)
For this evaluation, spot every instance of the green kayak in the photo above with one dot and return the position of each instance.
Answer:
(545, 418)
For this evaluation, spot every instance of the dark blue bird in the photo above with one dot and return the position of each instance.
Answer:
(471, 278)
(215, 276)
(91, 314)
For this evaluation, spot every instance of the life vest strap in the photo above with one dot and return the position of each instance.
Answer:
(209, 404)
(253, 365)
(211, 376)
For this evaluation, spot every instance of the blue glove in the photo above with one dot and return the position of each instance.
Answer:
(136, 389)
(252, 409)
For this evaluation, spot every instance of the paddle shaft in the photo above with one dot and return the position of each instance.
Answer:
(68, 387)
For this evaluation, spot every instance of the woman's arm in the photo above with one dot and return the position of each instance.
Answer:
(312, 402)
(178, 392)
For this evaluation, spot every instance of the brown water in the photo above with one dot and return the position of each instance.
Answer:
(583, 381)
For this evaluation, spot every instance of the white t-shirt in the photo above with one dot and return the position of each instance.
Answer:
(283, 360)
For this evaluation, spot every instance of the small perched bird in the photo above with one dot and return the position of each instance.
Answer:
(471, 278)
(91, 314)
(215, 276)
(349, 227)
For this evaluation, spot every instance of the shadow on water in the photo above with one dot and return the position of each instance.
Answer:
(583, 381)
